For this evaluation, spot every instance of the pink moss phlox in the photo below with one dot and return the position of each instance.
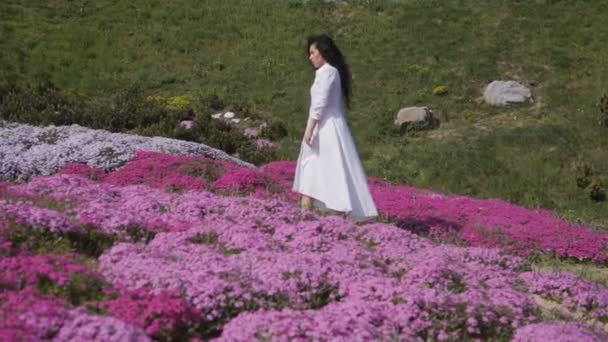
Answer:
(281, 175)
(331, 259)
(349, 321)
(282, 172)
(490, 223)
(250, 132)
(481, 223)
(206, 288)
(560, 332)
(86, 327)
(157, 314)
(83, 170)
(158, 170)
(240, 181)
(27, 315)
(6, 245)
(109, 208)
(152, 169)
(22, 271)
(576, 294)
(40, 219)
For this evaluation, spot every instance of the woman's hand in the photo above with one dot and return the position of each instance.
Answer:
(308, 137)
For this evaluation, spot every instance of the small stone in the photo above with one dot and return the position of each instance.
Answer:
(228, 115)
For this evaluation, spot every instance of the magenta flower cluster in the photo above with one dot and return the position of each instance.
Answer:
(29, 316)
(240, 181)
(158, 314)
(490, 223)
(27, 270)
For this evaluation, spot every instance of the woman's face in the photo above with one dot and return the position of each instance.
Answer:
(315, 56)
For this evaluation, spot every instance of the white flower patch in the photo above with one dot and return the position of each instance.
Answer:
(27, 151)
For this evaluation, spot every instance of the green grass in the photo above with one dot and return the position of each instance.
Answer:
(252, 52)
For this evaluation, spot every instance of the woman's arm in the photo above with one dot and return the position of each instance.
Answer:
(319, 100)
(310, 127)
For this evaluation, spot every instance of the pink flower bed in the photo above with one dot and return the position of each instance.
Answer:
(559, 332)
(6, 245)
(247, 267)
(239, 181)
(28, 316)
(85, 327)
(476, 222)
(29, 215)
(21, 271)
(157, 315)
(490, 223)
(578, 295)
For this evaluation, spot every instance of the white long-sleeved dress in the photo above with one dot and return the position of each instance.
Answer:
(330, 170)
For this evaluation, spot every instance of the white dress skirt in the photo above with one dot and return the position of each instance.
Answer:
(330, 170)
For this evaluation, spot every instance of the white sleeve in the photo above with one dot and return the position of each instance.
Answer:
(319, 95)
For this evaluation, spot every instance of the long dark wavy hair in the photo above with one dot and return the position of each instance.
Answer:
(332, 55)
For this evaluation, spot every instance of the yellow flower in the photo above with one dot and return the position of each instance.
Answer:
(440, 90)
(179, 102)
(158, 99)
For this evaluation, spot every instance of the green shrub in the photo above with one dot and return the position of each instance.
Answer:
(275, 130)
(139, 234)
(254, 155)
(583, 174)
(470, 115)
(212, 103)
(80, 289)
(596, 191)
(603, 121)
(129, 109)
(91, 243)
(218, 134)
(39, 104)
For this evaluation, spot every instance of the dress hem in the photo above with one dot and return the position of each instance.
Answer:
(347, 211)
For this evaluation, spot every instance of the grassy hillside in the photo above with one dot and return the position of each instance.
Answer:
(252, 52)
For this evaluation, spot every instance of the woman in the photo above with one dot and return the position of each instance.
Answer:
(329, 172)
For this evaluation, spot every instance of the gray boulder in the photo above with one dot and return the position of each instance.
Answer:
(415, 118)
(502, 93)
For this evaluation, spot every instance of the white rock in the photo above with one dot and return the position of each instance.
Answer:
(236, 120)
(216, 116)
(409, 114)
(502, 93)
(228, 115)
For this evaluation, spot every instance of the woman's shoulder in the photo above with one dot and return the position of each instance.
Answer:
(327, 69)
